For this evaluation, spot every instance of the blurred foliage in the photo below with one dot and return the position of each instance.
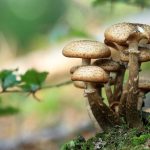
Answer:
(8, 79)
(7, 110)
(24, 19)
(31, 81)
(140, 3)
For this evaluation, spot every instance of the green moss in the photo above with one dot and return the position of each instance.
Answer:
(140, 140)
(118, 138)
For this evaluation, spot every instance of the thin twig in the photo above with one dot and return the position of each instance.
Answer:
(57, 85)
(44, 87)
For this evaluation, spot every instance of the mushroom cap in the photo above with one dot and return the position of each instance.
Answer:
(79, 84)
(146, 109)
(90, 74)
(86, 49)
(74, 68)
(144, 84)
(107, 64)
(144, 55)
(114, 45)
(122, 32)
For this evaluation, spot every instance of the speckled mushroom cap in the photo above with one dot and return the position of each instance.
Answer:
(146, 28)
(86, 49)
(107, 64)
(144, 55)
(72, 70)
(90, 74)
(79, 84)
(144, 84)
(122, 32)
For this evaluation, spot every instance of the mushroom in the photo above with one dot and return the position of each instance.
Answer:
(130, 34)
(146, 115)
(78, 84)
(109, 66)
(144, 87)
(92, 74)
(87, 50)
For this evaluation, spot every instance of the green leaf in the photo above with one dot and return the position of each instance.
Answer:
(8, 79)
(9, 110)
(33, 80)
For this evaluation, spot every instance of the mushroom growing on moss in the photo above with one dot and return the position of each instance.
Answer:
(131, 41)
(130, 34)
(92, 74)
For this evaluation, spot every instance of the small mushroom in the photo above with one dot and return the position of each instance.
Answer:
(90, 74)
(93, 74)
(144, 87)
(78, 84)
(146, 115)
(109, 66)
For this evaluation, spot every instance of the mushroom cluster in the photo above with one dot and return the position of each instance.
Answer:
(125, 99)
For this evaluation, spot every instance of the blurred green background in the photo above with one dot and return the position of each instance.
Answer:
(32, 35)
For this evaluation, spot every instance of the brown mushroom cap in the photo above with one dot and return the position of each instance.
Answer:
(90, 74)
(144, 55)
(79, 84)
(120, 33)
(74, 68)
(146, 109)
(144, 84)
(107, 64)
(86, 49)
(146, 28)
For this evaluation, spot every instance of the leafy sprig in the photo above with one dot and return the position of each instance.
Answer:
(31, 81)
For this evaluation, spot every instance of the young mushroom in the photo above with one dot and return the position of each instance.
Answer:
(130, 34)
(146, 115)
(91, 74)
(109, 66)
(78, 84)
(144, 88)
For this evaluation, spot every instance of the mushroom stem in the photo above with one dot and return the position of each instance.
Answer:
(132, 115)
(123, 99)
(104, 116)
(108, 92)
(119, 84)
(140, 100)
(86, 62)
